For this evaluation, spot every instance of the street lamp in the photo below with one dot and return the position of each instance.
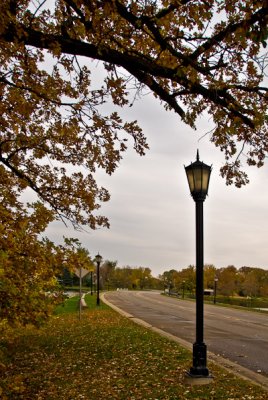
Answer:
(94, 282)
(183, 288)
(198, 175)
(98, 259)
(169, 288)
(215, 289)
(91, 279)
(91, 283)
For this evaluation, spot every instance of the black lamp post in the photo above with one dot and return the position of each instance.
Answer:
(183, 288)
(215, 289)
(94, 282)
(98, 259)
(198, 175)
(169, 288)
(91, 283)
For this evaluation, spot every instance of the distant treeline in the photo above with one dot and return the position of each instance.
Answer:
(230, 281)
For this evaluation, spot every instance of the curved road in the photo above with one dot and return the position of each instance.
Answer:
(240, 336)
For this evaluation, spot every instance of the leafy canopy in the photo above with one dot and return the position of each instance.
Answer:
(196, 56)
(29, 264)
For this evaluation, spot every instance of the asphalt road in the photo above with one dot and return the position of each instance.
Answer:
(240, 336)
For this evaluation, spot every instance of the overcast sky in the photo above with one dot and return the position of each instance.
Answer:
(152, 214)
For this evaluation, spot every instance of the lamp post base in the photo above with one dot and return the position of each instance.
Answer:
(199, 368)
(198, 379)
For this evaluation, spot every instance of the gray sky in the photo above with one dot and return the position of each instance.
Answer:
(152, 214)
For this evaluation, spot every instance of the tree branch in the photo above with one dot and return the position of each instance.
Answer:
(231, 28)
(139, 66)
(37, 93)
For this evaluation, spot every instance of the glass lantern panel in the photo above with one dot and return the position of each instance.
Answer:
(205, 180)
(190, 177)
(198, 180)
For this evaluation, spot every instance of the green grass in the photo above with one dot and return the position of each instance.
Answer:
(69, 306)
(104, 356)
(72, 305)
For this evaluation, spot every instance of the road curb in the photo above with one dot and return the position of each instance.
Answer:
(228, 365)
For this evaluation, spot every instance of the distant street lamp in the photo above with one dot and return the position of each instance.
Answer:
(94, 282)
(215, 289)
(169, 288)
(91, 283)
(198, 175)
(98, 259)
(91, 270)
(80, 292)
(183, 288)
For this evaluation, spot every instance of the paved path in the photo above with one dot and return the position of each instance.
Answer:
(238, 336)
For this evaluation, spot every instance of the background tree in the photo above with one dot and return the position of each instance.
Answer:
(255, 281)
(128, 277)
(107, 270)
(122, 277)
(189, 277)
(67, 278)
(245, 281)
(264, 284)
(76, 257)
(28, 264)
(141, 278)
(210, 273)
(227, 283)
(170, 279)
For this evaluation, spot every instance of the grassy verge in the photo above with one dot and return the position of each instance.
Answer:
(252, 305)
(72, 305)
(69, 306)
(104, 356)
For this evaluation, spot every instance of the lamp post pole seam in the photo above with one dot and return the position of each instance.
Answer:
(215, 290)
(199, 367)
(199, 273)
(98, 259)
(98, 283)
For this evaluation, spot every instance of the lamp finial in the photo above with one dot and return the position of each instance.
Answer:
(197, 155)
